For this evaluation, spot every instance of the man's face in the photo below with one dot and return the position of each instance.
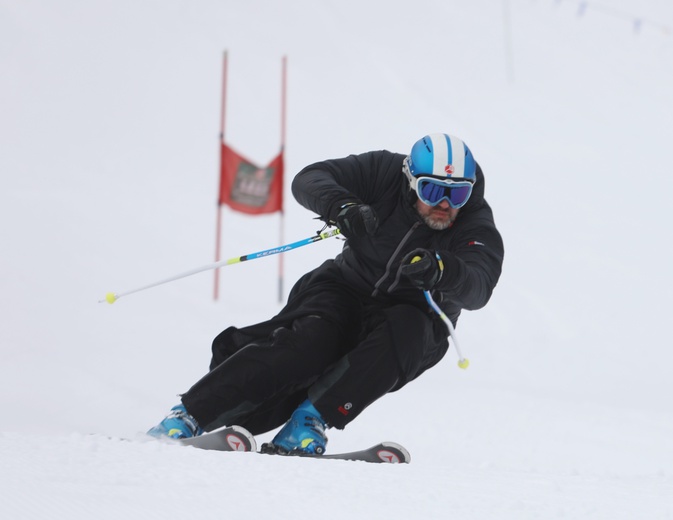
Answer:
(437, 217)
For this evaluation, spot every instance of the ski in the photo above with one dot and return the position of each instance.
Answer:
(237, 438)
(227, 438)
(381, 453)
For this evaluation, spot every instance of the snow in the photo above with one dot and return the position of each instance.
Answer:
(110, 116)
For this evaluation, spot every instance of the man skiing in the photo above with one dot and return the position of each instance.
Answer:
(358, 326)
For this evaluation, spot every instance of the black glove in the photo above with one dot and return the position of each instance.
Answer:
(422, 268)
(357, 220)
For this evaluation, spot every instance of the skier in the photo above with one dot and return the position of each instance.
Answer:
(358, 326)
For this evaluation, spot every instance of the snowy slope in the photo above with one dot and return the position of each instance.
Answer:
(108, 160)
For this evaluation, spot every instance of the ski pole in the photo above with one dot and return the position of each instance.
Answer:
(113, 297)
(462, 362)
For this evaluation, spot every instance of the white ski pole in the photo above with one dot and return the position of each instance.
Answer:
(112, 297)
(462, 362)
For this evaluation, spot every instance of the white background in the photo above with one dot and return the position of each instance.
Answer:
(109, 121)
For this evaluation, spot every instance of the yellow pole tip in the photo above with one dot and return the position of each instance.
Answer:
(110, 298)
(464, 363)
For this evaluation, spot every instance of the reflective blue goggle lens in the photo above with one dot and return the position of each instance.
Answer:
(433, 191)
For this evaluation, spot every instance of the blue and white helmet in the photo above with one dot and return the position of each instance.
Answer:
(442, 156)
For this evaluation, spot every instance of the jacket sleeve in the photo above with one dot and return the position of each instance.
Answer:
(325, 186)
(472, 265)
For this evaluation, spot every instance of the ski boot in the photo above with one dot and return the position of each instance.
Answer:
(178, 424)
(303, 434)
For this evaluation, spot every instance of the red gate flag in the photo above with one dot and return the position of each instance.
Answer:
(248, 188)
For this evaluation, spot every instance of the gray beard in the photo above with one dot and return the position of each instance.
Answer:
(437, 225)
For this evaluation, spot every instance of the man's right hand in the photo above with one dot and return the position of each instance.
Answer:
(357, 220)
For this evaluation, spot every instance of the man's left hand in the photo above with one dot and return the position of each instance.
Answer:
(422, 268)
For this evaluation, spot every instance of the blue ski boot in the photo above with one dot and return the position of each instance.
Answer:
(178, 424)
(304, 433)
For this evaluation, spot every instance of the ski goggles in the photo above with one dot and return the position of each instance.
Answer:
(432, 191)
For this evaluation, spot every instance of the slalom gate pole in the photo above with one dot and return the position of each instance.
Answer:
(113, 297)
(462, 362)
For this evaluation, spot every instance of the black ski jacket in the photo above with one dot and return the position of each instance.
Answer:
(472, 249)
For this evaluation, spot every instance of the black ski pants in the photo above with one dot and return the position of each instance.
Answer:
(339, 348)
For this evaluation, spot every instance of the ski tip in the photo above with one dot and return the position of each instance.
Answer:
(241, 439)
(393, 453)
(227, 438)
